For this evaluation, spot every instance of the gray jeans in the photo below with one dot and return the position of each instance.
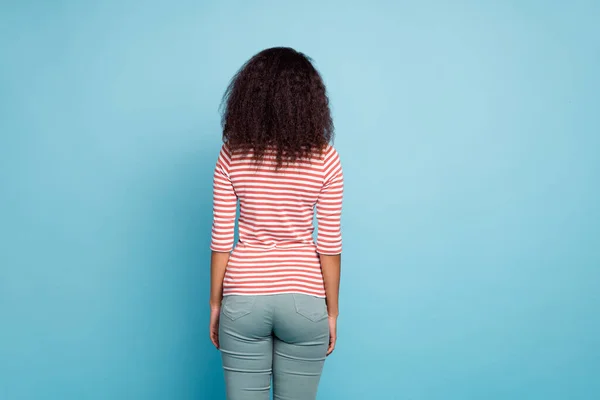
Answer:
(283, 336)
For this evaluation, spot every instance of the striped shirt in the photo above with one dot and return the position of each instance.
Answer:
(276, 252)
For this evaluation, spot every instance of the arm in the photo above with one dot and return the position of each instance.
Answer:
(218, 265)
(224, 210)
(331, 267)
(329, 239)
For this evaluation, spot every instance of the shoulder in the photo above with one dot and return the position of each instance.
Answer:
(225, 153)
(330, 155)
(224, 159)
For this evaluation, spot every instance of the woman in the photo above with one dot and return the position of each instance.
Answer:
(274, 299)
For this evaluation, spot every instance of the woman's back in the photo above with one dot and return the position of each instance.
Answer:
(276, 253)
(274, 295)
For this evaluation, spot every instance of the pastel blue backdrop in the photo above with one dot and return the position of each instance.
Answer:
(470, 136)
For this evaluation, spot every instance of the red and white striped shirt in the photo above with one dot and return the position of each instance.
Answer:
(276, 252)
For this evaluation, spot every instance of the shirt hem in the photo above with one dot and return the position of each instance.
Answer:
(272, 294)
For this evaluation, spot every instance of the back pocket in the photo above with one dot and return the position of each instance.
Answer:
(311, 307)
(235, 307)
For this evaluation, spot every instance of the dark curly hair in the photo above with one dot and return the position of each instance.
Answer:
(278, 101)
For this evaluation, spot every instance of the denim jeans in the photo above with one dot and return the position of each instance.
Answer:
(283, 338)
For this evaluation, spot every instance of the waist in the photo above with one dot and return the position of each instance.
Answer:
(275, 256)
(310, 246)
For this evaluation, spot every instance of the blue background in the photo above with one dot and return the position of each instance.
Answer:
(470, 136)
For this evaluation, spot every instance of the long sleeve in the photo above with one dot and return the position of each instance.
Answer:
(224, 205)
(329, 205)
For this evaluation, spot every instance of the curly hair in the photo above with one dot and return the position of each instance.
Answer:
(277, 101)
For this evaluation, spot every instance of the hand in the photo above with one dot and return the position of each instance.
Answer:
(215, 313)
(332, 333)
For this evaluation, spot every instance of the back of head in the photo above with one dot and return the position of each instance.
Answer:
(277, 101)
